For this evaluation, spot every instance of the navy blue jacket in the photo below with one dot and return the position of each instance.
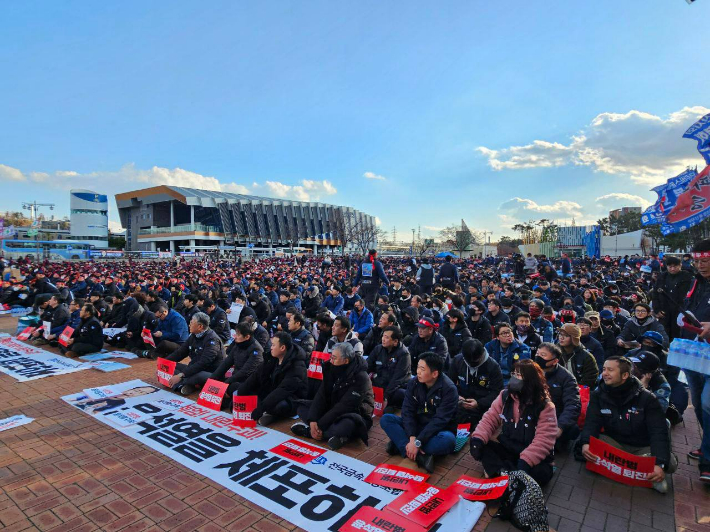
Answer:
(428, 411)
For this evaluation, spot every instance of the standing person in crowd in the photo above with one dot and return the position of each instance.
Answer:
(427, 426)
(523, 417)
(370, 275)
(506, 350)
(448, 276)
(425, 277)
(671, 287)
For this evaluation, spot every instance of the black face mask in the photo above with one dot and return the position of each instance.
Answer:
(516, 385)
(542, 362)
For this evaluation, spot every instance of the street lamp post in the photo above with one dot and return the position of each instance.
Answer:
(32, 207)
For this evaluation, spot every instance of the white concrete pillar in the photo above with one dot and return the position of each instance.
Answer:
(192, 244)
(153, 246)
(192, 214)
(172, 214)
(172, 246)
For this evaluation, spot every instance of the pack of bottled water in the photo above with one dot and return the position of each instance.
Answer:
(689, 354)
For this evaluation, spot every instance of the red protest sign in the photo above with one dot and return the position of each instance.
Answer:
(147, 337)
(242, 407)
(619, 465)
(297, 451)
(166, 369)
(374, 520)
(379, 401)
(423, 504)
(396, 477)
(315, 367)
(479, 489)
(26, 332)
(212, 394)
(66, 334)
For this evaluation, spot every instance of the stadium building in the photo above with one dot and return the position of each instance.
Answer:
(89, 217)
(168, 218)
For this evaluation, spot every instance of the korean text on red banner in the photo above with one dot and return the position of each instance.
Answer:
(165, 370)
(619, 465)
(315, 367)
(66, 334)
(212, 394)
(369, 519)
(242, 407)
(147, 337)
(396, 477)
(423, 504)
(479, 489)
(379, 401)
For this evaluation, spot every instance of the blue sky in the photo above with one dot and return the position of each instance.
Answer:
(495, 112)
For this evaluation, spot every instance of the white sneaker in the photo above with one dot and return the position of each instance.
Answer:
(661, 487)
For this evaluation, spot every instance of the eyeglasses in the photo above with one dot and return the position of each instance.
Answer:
(505, 333)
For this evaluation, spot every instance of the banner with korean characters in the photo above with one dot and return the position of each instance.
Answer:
(25, 362)
(312, 487)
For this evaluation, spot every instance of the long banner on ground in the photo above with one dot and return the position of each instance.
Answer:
(26, 363)
(314, 488)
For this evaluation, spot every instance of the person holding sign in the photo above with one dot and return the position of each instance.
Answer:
(279, 381)
(523, 417)
(244, 357)
(204, 348)
(88, 337)
(172, 331)
(57, 314)
(631, 419)
(390, 367)
(427, 426)
(342, 408)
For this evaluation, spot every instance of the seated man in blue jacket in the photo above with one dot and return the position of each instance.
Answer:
(361, 319)
(171, 333)
(427, 426)
(334, 302)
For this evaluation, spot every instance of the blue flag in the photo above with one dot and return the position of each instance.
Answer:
(667, 197)
(700, 131)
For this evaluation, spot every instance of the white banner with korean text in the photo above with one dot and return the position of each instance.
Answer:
(25, 362)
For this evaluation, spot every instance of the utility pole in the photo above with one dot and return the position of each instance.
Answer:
(413, 230)
(32, 207)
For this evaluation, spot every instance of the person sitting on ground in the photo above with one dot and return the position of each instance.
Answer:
(588, 341)
(342, 332)
(278, 382)
(299, 334)
(342, 408)
(57, 314)
(324, 326)
(428, 339)
(171, 333)
(564, 392)
(427, 426)
(479, 326)
(374, 337)
(361, 319)
(88, 337)
(455, 331)
(478, 380)
(218, 320)
(495, 314)
(390, 368)
(506, 350)
(578, 361)
(525, 333)
(625, 415)
(647, 369)
(523, 417)
(641, 322)
(204, 348)
(542, 327)
(243, 358)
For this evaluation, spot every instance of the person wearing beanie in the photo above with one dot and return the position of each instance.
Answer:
(641, 322)
(647, 369)
(578, 361)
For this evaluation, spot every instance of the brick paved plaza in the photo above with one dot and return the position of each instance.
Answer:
(65, 471)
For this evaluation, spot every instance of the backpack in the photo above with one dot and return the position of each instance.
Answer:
(523, 503)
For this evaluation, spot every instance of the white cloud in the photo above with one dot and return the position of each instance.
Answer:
(522, 207)
(372, 175)
(646, 147)
(129, 177)
(432, 228)
(378, 222)
(622, 199)
(115, 227)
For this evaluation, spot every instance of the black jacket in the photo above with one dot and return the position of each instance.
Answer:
(481, 330)
(60, 316)
(390, 370)
(344, 394)
(676, 287)
(304, 339)
(582, 365)
(435, 344)
(631, 415)
(482, 383)
(220, 324)
(205, 353)
(607, 338)
(372, 339)
(564, 392)
(428, 411)
(188, 313)
(633, 330)
(456, 337)
(130, 305)
(89, 332)
(595, 347)
(273, 382)
(245, 359)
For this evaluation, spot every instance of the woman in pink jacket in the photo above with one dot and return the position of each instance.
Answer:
(518, 432)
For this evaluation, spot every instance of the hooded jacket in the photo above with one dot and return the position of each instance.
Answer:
(345, 393)
(482, 383)
(506, 360)
(244, 357)
(582, 365)
(631, 415)
(564, 392)
(633, 330)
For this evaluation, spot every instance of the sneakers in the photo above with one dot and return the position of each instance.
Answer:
(661, 487)
(392, 448)
(187, 389)
(695, 454)
(301, 429)
(426, 462)
(336, 442)
(266, 419)
(705, 476)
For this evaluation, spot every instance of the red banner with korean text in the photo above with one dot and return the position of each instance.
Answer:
(242, 407)
(619, 465)
(315, 367)
(26, 332)
(379, 401)
(392, 476)
(423, 504)
(66, 334)
(298, 451)
(212, 394)
(479, 489)
(165, 370)
(147, 337)
(369, 519)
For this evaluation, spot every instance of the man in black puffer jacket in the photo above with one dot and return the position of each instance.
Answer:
(88, 337)
(632, 420)
(279, 381)
(342, 408)
(243, 358)
(390, 367)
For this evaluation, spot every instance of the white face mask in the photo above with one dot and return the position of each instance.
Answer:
(437, 308)
(448, 302)
(507, 310)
